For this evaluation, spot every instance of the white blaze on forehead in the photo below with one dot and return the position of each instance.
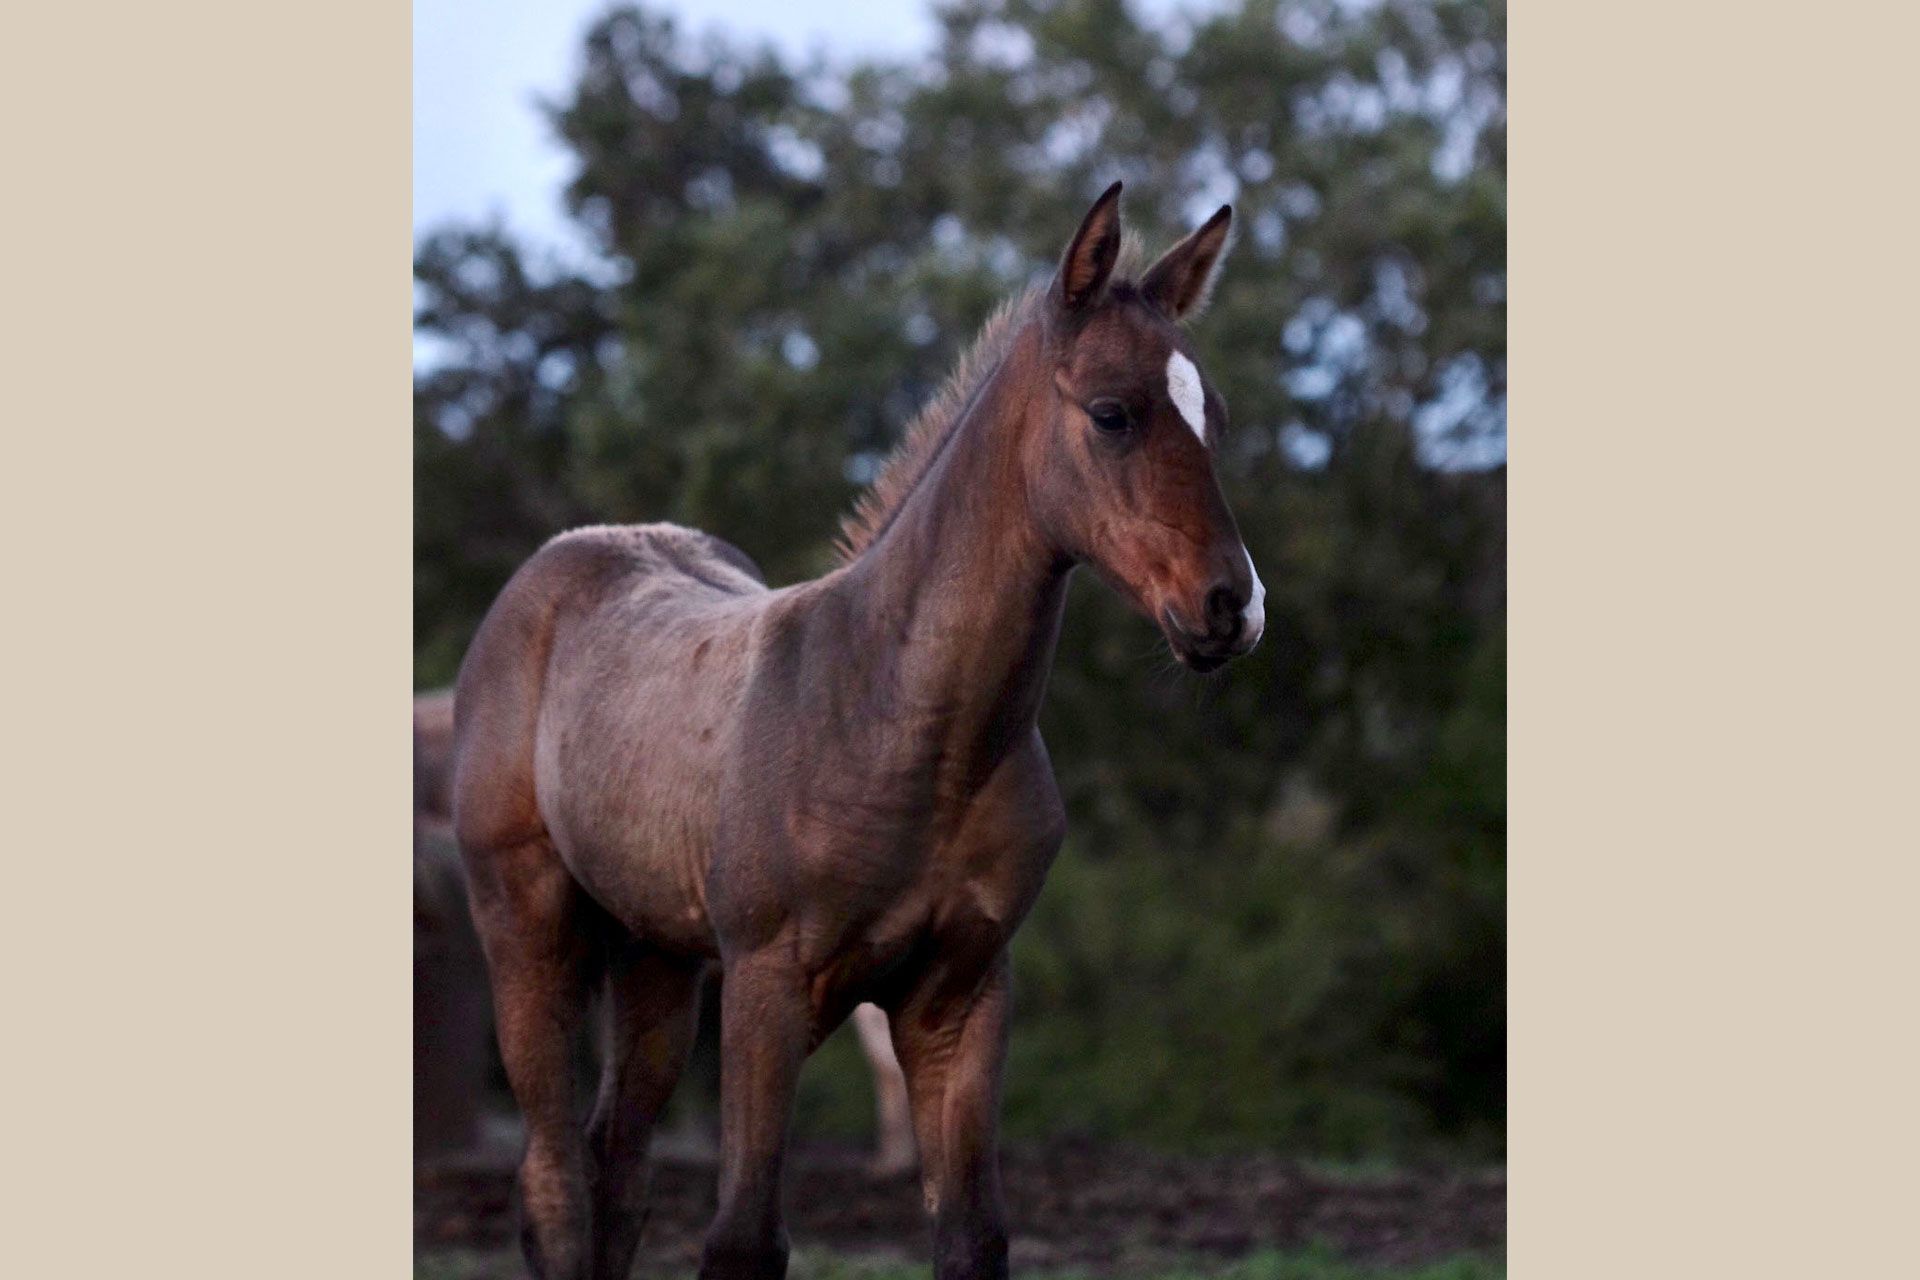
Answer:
(1183, 385)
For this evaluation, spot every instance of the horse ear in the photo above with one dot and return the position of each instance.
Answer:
(1182, 280)
(1091, 253)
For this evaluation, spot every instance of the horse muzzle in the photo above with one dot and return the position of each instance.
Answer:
(1232, 628)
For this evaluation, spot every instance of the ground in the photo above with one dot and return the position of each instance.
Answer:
(1075, 1210)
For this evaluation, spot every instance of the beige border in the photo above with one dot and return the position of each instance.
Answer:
(207, 474)
(1712, 713)
(206, 516)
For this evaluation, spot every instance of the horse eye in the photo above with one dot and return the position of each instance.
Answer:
(1109, 416)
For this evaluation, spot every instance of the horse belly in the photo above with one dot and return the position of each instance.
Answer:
(644, 864)
(628, 769)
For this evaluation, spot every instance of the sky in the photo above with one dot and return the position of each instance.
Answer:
(481, 150)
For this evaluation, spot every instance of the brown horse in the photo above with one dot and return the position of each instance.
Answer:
(835, 789)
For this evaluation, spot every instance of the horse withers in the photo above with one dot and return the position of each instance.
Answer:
(837, 789)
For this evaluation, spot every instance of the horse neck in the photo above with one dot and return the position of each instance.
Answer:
(958, 602)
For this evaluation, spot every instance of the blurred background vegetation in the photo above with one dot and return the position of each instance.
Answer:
(1279, 919)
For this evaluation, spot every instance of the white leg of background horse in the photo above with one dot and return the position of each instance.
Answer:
(894, 1151)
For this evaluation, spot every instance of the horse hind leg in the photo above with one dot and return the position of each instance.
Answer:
(529, 913)
(651, 1012)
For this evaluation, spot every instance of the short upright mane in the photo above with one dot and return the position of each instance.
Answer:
(932, 425)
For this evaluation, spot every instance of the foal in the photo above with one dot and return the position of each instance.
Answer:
(835, 789)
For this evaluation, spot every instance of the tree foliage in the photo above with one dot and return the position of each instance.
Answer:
(1289, 879)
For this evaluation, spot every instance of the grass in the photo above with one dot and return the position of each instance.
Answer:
(821, 1264)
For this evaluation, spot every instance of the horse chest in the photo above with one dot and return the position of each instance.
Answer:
(963, 888)
(964, 924)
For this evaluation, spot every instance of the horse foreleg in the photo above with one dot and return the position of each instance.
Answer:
(765, 1028)
(953, 1046)
(651, 1014)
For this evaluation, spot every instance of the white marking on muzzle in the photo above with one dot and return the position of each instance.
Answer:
(1183, 386)
(1254, 617)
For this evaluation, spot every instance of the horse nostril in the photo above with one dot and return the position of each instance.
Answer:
(1224, 610)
